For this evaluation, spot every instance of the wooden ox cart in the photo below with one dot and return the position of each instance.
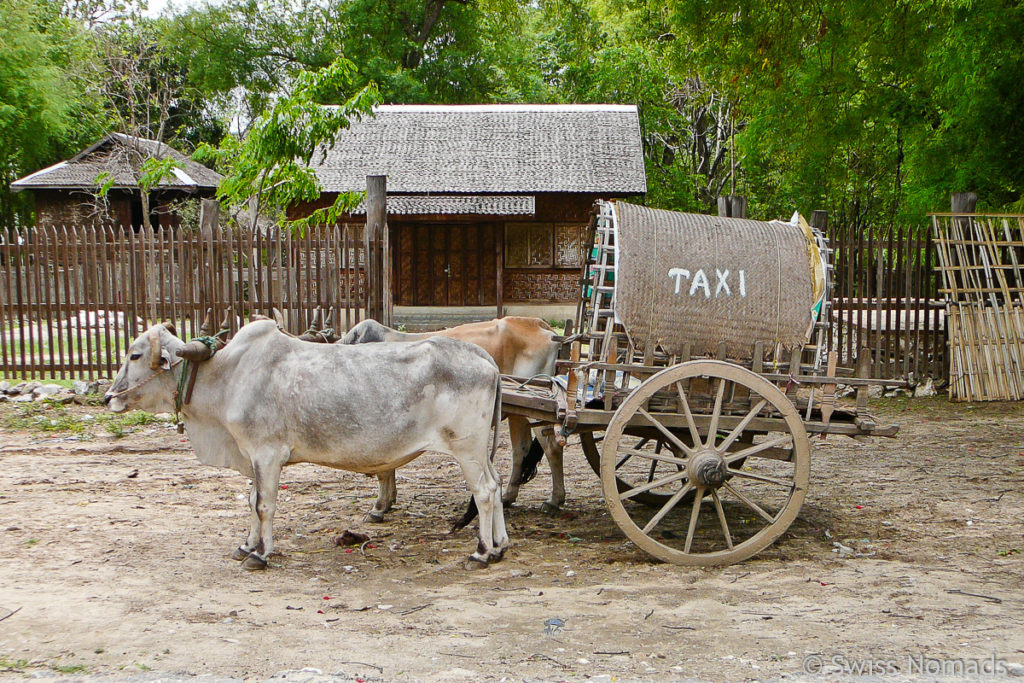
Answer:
(697, 377)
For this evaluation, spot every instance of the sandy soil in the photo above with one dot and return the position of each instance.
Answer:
(115, 556)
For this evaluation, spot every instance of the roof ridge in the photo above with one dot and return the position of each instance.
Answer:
(502, 108)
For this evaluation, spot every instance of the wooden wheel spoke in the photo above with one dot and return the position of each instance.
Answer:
(738, 430)
(655, 457)
(721, 518)
(668, 434)
(624, 460)
(767, 497)
(694, 433)
(757, 448)
(716, 413)
(652, 485)
(761, 477)
(667, 507)
(693, 518)
(749, 503)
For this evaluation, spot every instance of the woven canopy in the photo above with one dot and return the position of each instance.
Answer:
(704, 280)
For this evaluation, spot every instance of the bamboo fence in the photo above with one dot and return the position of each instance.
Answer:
(981, 258)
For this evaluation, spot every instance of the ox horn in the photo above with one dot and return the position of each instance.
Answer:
(225, 323)
(310, 335)
(171, 328)
(196, 350)
(154, 349)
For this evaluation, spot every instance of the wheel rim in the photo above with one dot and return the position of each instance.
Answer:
(721, 501)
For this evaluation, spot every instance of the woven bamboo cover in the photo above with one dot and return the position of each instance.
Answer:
(687, 278)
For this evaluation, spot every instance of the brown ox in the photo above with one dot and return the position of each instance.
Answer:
(523, 347)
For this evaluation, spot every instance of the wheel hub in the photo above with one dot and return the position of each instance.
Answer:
(707, 469)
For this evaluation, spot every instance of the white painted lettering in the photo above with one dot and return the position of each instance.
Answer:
(723, 276)
(700, 280)
(678, 274)
(743, 284)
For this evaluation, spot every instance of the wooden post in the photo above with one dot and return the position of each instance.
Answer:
(499, 276)
(732, 206)
(723, 205)
(819, 221)
(737, 206)
(209, 220)
(376, 225)
(963, 202)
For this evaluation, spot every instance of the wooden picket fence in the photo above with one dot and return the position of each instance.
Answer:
(73, 298)
(886, 300)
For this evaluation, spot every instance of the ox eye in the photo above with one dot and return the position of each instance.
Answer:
(135, 356)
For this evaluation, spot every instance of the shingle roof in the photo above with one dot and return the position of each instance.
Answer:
(477, 205)
(502, 149)
(82, 170)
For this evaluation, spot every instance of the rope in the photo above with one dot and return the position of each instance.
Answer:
(148, 379)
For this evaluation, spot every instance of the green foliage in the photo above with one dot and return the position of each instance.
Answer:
(270, 164)
(875, 110)
(48, 100)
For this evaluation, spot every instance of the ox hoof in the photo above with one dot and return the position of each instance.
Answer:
(374, 517)
(548, 509)
(240, 554)
(473, 562)
(508, 501)
(496, 556)
(254, 563)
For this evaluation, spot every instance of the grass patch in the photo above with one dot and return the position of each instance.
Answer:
(47, 416)
(12, 664)
(43, 417)
(70, 668)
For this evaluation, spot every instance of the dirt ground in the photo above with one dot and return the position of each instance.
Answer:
(115, 559)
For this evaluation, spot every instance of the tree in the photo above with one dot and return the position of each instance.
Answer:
(48, 101)
(268, 170)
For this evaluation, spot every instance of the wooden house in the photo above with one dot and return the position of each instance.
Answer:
(67, 193)
(487, 204)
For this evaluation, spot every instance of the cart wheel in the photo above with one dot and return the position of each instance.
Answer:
(755, 491)
(631, 470)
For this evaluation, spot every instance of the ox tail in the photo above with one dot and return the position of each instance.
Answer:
(471, 512)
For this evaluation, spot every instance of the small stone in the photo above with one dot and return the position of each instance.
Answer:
(925, 389)
(569, 574)
(48, 390)
(1015, 669)
(875, 391)
(23, 398)
(26, 387)
(81, 388)
(4, 386)
(843, 550)
(102, 385)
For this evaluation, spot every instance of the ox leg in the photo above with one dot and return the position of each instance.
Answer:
(519, 435)
(252, 542)
(266, 481)
(485, 485)
(387, 494)
(553, 452)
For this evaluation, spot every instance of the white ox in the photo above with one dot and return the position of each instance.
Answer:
(523, 347)
(267, 400)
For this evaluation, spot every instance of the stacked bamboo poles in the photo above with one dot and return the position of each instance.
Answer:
(981, 258)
